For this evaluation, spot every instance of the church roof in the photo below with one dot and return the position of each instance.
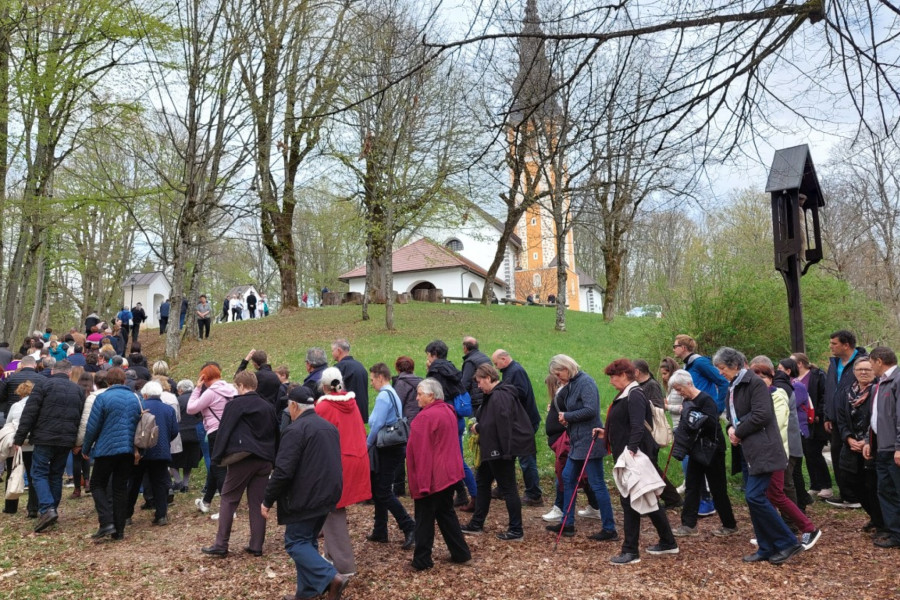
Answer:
(534, 89)
(139, 279)
(240, 290)
(425, 255)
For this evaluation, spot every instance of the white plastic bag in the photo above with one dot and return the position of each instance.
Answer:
(15, 485)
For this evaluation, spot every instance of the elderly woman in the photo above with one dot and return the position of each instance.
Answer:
(155, 461)
(190, 442)
(504, 433)
(340, 409)
(854, 414)
(14, 416)
(208, 399)
(435, 466)
(387, 411)
(578, 403)
(627, 429)
(246, 445)
(698, 472)
(667, 367)
(752, 426)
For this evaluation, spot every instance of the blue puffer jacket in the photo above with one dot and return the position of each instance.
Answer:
(168, 429)
(113, 421)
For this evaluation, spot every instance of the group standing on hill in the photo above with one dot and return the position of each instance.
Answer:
(304, 447)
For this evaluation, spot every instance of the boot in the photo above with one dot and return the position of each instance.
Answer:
(469, 506)
(462, 495)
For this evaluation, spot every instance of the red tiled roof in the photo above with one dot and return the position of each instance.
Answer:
(424, 255)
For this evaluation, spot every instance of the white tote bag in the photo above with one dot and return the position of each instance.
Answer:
(15, 485)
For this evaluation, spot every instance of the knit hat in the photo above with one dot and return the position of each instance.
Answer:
(301, 395)
(332, 377)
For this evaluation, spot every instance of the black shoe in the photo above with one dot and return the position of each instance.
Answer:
(604, 535)
(380, 539)
(32, 514)
(213, 551)
(567, 530)
(410, 540)
(784, 555)
(161, 521)
(626, 558)
(250, 550)
(46, 520)
(103, 532)
(170, 498)
(148, 506)
(757, 557)
(117, 536)
(661, 548)
(528, 501)
(887, 542)
(509, 536)
(470, 529)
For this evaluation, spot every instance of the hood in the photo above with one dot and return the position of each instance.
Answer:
(782, 380)
(445, 369)
(345, 403)
(223, 388)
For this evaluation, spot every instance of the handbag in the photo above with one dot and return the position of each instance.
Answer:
(395, 434)
(463, 405)
(703, 451)
(15, 482)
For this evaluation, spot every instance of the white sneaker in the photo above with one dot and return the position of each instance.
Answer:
(201, 505)
(680, 489)
(590, 513)
(214, 516)
(554, 516)
(826, 493)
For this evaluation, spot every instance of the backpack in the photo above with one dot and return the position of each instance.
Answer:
(661, 429)
(147, 433)
(462, 403)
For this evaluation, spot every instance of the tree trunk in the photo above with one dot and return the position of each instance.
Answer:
(562, 264)
(612, 264)
(34, 324)
(4, 135)
(508, 229)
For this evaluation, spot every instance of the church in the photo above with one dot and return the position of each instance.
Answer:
(455, 258)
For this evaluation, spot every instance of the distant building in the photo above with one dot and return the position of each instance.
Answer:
(150, 289)
(242, 291)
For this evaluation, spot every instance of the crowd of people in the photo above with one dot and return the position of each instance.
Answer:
(304, 447)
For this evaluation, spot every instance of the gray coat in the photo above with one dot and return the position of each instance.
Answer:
(887, 425)
(756, 425)
(580, 401)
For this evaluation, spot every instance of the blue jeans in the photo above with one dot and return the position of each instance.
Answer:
(594, 471)
(888, 474)
(314, 573)
(47, 466)
(530, 476)
(204, 444)
(771, 532)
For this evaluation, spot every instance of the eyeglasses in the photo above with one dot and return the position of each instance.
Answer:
(676, 346)
(863, 370)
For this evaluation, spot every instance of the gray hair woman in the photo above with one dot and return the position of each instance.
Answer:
(431, 387)
(752, 425)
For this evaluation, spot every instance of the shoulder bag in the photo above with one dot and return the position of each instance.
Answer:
(395, 434)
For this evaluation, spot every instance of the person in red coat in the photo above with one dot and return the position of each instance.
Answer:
(435, 466)
(339, 408)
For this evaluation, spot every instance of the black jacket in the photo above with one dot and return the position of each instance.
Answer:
(653, 392)
(141, 372)
(307, 480)
(816, 386)
(138, 316)
(248, 425)
(625, 424)
(405, 385)
(504, 431)
(711, 429)
(834, 389)
(552, 427)
(188, 424)
(268, 385)
(757, 427)
(515, 375)
(356, 380)
(8, 386)
(448, 376)
(471, 362)
(52, 414)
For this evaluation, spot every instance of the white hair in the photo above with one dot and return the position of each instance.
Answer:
(151, 389)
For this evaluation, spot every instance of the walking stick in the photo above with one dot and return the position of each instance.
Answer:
(562, 524)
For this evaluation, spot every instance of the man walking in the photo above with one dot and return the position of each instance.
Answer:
(307, 483)
(884, 445)
(164, 309)
(515, 374)
(838, 380)
(138, 316)
(268, 385)
(356, 377)
(50, 420)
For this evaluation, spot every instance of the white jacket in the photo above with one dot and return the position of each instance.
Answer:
(637, 479)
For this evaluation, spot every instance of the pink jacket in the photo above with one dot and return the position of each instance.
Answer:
(433, 460)
(211, 403)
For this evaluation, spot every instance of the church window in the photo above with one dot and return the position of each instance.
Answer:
(533, 221)
(454, 244)
(534, 256)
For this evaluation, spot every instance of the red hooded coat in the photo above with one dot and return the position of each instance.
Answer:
(433, 460)
(341, 411)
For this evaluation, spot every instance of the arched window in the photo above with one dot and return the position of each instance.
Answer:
(454, 244)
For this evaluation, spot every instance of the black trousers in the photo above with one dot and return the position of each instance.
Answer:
(163, 325)
(504, 473)
(12, 506)
(135, 332)
(836, 445)
(124, 332)
(819, 476)
(203, 324)
(632, 526)
(438, 507)
(389, 460)
(112, 509)
(236, 314)
(81, 469)
(863, 484)
(159, 483)
(694, 485)
(215, 475)
(252, 311)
